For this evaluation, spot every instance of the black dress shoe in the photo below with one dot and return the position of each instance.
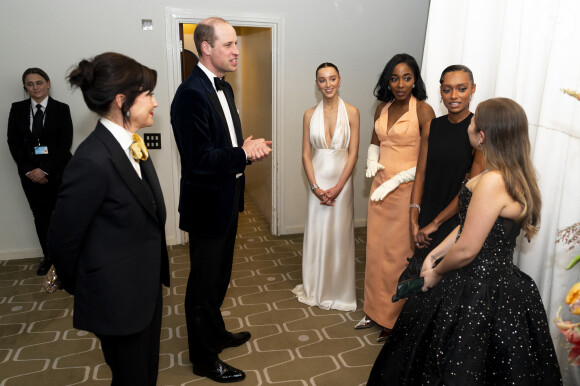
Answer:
(219, 372)
(235, 340)
(43, 267)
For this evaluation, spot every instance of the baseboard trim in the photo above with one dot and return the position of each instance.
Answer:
(23, 254)
(291, 230)
(30, 253)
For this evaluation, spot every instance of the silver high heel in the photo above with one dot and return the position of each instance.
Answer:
(365, 322)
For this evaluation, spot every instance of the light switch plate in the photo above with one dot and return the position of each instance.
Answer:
(152, 140)
(147, 24)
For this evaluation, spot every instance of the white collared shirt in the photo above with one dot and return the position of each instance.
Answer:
(125, 139)
(33, 109)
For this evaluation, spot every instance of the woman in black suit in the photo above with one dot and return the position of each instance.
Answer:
(107, 235)
(39, 138)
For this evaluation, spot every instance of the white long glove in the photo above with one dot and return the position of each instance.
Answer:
(393, 183)
(373, 164)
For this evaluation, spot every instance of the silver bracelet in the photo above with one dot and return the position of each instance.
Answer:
(415, 206)
(314, 187)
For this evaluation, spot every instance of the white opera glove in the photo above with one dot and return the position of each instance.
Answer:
(373, 164)
(393, 183)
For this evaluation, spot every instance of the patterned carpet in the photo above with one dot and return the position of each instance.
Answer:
(292, 344)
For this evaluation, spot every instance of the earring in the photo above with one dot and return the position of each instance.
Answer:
(479, 143)
(128, 114)
(389, 87)
(413, 86)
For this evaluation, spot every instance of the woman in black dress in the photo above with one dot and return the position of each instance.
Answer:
(481, 320)
(446, 159)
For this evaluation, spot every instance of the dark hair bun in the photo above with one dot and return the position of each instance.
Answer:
(82, 76)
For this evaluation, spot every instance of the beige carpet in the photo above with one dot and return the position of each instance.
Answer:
(292, 344)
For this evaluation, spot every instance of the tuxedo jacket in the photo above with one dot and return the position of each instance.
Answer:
(56, 135)
(107, 237)
(209, 162)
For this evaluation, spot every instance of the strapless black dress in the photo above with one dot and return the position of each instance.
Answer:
(483, 324)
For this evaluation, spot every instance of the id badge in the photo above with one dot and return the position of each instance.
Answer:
(39, 150)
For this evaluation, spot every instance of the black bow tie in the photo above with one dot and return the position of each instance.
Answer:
(219, 83)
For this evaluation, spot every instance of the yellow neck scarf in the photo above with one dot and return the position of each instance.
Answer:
(138, 149)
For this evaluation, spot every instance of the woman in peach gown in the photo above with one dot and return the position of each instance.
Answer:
(392, 158)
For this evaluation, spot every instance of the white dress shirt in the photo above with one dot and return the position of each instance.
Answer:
(125, 139)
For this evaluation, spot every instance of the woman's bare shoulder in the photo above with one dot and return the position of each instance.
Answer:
(351, 110)
(308, 113)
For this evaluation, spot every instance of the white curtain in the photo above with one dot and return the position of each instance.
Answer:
(528, 51)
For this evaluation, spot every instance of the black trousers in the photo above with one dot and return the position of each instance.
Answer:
(134, 359)
(42, 199)
(209, 277)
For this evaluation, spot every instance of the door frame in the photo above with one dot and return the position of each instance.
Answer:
(176, 16)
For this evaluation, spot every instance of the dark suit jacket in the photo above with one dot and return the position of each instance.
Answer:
(107, 237)
(56, 135)
(209, 163)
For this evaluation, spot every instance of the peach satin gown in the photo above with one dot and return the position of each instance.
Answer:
(389, 240)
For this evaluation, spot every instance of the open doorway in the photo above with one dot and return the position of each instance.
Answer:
(258, 92)
(252, 85)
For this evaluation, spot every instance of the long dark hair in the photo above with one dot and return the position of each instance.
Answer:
(382, 91)
(106, 75)
(507, 149)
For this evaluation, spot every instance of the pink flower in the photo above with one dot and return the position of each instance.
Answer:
(574, 356)
(572, 333)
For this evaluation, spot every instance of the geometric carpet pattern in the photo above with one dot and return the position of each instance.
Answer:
(292, 343)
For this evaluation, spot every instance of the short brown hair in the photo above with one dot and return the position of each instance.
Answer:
(205, 32)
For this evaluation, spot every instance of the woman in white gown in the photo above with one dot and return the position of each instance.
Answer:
(329, 153)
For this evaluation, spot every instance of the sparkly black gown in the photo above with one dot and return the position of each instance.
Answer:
(483, 324)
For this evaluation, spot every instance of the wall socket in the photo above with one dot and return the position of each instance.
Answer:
(152, 140)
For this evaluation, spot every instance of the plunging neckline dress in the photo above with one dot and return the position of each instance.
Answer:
(328, 261)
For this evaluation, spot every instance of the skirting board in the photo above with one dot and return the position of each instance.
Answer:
(292, 230)
(37, 252)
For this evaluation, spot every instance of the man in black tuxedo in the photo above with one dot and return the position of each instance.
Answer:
(40, 135)
(208, 133)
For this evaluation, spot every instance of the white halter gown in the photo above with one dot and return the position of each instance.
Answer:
(328, 261)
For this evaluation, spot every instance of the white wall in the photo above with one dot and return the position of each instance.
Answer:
(358, 36)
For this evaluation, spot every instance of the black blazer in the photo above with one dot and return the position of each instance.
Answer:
(56, 135)
(209, 163)
(107, 237)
